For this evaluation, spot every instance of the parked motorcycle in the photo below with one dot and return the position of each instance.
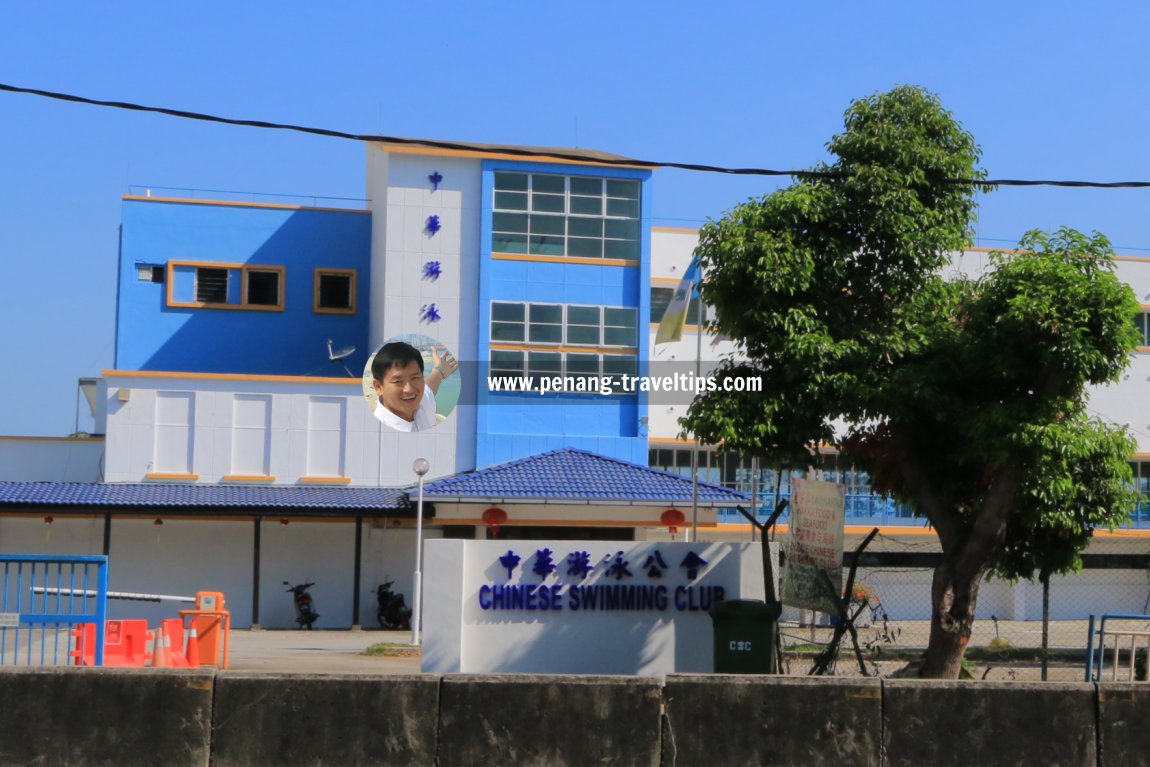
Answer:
(305, 614)
(392, 611)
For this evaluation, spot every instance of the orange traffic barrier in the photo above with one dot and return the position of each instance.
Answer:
(213, 631)
(192, 651)
(159, 649)
(174, 642)
(125, 643)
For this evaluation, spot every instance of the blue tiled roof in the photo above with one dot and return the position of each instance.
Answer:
(195, 496)
(577, 475)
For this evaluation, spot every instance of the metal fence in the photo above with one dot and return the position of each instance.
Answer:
(895, 622)
(864, 508)
(44, 597)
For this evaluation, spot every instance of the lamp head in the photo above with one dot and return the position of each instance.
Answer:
(420, 467)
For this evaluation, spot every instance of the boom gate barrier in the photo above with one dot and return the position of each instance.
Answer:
(44, 596)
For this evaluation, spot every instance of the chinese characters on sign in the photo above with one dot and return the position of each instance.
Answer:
(621, 586)
(813, 575)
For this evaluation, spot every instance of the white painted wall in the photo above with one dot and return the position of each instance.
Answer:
(461, 636)
(183, 556)
(402, 200)
(1122, 403)
(369, 453)
(49, 459)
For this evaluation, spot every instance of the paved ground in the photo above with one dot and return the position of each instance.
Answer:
(318, 652)
(340, 652)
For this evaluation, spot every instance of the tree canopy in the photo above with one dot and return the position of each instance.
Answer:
(958, 382)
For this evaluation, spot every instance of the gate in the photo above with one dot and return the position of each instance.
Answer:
(44, 596)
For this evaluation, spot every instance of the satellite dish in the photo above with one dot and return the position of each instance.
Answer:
(335, 355)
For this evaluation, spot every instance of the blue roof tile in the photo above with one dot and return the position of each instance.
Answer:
(577, 475)
(197, 496)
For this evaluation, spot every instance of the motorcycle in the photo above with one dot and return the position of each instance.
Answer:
(392, 612)
(305, 613)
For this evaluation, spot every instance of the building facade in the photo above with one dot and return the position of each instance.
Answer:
(243, 337)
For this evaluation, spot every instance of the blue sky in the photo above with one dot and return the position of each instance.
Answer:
(1051, 91)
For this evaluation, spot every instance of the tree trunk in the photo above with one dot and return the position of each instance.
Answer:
(954, 594)
(967, 550)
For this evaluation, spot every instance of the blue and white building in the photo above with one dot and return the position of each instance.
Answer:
(239, 446)
(236, 447)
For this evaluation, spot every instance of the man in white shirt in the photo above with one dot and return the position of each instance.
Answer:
(405, 397)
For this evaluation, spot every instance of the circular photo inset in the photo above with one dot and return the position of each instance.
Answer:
(411, 383)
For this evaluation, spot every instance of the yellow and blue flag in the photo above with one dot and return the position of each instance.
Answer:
(675, 317)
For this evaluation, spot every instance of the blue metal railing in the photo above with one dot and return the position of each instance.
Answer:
(871, 509)
(44, 597)
(1096, 653)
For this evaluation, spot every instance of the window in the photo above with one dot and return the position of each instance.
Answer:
(225, 286)
(506, 363)
(1142, 322)
(211, 286)
(569, 324)
(543, 214)
(545, 323)
(334, 291)
(261, 288)
(1141, 471)
(150, 272)
(661, 299)
(550, 330)
(508, 322)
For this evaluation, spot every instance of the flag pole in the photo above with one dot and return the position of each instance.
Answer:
(695, 453)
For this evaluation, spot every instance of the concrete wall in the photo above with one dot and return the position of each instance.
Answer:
(72, 717)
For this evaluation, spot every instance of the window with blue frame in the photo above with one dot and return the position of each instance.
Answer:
(544, 214)
(567, 340)
(1141, 470)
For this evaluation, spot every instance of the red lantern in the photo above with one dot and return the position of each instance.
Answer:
(284, 521)
(672, 518)
(48, 520)
(158, 523)
(493, 518)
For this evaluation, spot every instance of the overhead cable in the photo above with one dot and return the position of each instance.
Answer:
(541, 153)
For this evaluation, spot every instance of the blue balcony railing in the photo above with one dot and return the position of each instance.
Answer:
(870, 509)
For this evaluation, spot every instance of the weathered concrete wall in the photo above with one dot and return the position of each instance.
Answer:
(714, 720)
(549, 721)
(106, 717)
(178, 718)
(988, 723)
(1123, 734)
(273, 719)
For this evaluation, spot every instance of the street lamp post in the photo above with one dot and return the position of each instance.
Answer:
(420, 467)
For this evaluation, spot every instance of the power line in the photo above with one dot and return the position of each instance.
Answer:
(544, 153)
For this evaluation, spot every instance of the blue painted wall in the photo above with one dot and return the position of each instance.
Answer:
(514, 425)
(150, 335)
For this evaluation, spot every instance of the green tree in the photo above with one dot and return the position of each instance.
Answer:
(961, 394)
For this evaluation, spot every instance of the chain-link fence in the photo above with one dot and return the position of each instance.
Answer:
(894, 620)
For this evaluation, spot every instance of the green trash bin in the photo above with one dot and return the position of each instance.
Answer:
(745, 635)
